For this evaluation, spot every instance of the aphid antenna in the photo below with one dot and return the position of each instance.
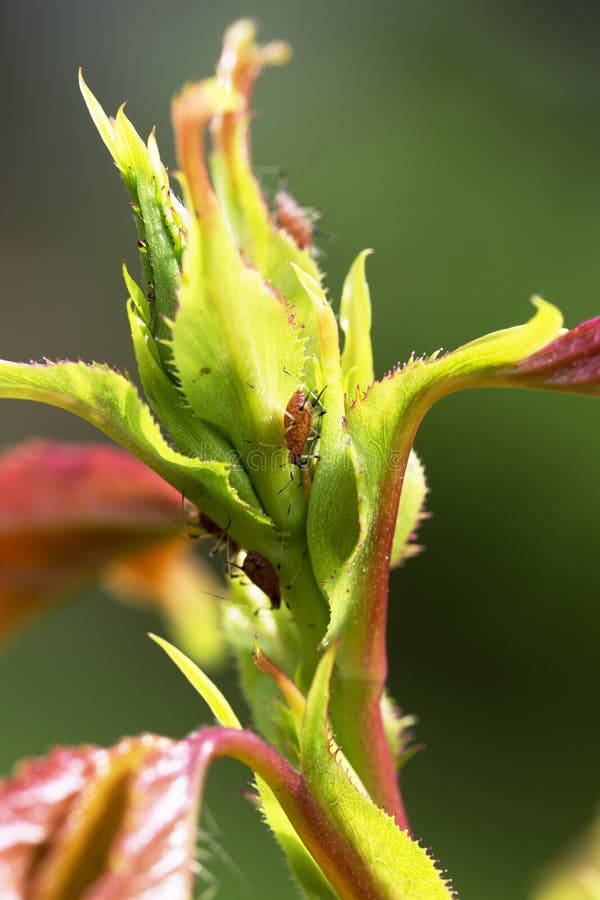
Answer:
(314, 397)
(222, 539)
(285, 535)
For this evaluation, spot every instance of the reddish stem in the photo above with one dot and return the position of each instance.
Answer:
(362, 661)
(342, 865)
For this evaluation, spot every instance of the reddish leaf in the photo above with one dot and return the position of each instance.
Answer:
(570, 363)
(33, 804)
(117, 823)
(67, 511)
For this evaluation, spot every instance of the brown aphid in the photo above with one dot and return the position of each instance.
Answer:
(195, 518)
(261, 573)
(297, 426)
(293, 219)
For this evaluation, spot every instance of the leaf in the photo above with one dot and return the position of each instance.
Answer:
(398, 731)
(109, 401)
(209, 692)
(233, 338)
(569, 363)
(90, 505)
(118, 823)
(333, 514)
(159, 217)
(355, 319)
(411, 511)
(268, 247)
(193, 436)
(97, 511)
(577, 876)
(381, 425)
(300, 861)
(399, 867)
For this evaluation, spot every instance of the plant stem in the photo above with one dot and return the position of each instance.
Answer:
(349, 875)
(361, 669)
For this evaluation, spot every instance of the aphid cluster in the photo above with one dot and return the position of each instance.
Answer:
(255, 567)
(300, 438)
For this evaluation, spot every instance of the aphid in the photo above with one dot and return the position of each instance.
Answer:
(261, 573)
(299, 435)
(204, 526)
(297, 426)
(296, 221)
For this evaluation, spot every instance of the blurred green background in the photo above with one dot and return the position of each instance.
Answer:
(462, 142)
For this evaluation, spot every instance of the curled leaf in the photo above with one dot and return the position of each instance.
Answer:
(118, 823)
(569, 363)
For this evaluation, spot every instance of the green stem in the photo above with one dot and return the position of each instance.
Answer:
(311, 614)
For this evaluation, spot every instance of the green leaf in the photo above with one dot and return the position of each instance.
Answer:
(234, 341)
(109, 401)
(218, 703)
(266, 246)
(410, 511)
(382, 424)
(301, 862)
(332, 514)
(400, 867)
(159, 217)
(193, 436)
(355, 319)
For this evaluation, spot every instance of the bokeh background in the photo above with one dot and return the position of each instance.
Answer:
(461, 141)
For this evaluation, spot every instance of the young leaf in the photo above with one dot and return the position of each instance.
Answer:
(332, 514)
(209, 692)
(70, 513)
(192, 436)
(107, 823)
(109, 401)
(268, 247)
(233, 338)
